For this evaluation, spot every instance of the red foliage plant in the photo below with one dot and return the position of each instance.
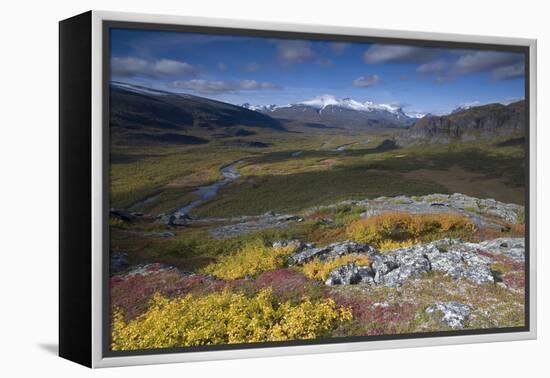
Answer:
(290, 285)
(372, 318)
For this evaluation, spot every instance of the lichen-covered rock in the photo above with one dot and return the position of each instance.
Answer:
(509, 247)
(329, 252)
(297, 244)
(453, 314)
(455, 258)
(350, 274)
(154, 268)
(246, 224)
(459, 260)
(405, 266)
(175, 219)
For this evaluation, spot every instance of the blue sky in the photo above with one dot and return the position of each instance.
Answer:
(263, 71)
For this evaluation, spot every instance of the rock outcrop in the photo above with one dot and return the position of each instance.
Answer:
(154, 268)
(452, 314)
(477, 122)
(351, 274)
(513, 248)
(482, 212)
(174, 220)
(247, 224)
(297, 244)
(122, 214)
(329, 252)
(455, 258)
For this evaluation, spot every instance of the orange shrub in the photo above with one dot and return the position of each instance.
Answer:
(396, 229)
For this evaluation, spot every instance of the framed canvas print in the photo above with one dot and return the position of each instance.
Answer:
(236, 189)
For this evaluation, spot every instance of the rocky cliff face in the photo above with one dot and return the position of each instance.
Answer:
(480, 122)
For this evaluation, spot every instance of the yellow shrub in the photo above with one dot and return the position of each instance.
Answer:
(250, 260)
(388, 244)
(224, 318)
(320, 270)
(406, 228)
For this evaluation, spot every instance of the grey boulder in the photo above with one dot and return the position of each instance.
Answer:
(350, 274)
(452, 314)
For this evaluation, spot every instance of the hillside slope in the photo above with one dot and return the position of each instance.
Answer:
(479, 122)
(143, 115)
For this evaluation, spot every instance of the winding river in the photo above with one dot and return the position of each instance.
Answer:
(343, 147)
(207, 192)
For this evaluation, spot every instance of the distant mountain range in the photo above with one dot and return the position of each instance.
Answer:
(341, 113)
(474, 122)
(142, 115)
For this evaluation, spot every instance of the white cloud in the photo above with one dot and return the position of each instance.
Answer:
(377, 54)
(447, 65)
(338, 48)
(436, 66)
(501, 65)
(367, 81)
(294, 51)
(514, 71)
(253, 84)
(483, 61)
(221, 86)
(129, 67)
(204, 86)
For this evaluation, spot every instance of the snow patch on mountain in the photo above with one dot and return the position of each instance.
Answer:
(416, 115)
(263, 108)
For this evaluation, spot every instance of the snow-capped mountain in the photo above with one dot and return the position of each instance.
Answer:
(324, 101)
(335, 112)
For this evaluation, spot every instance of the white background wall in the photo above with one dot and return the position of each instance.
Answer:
(28, 185)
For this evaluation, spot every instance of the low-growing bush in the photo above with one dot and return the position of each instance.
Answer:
(181, 247)
(253, 258)
(388, 244)
(289, 284)
(117, 222)
(319, 270)
(345, 214)
(225, 318)
(399, 229)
